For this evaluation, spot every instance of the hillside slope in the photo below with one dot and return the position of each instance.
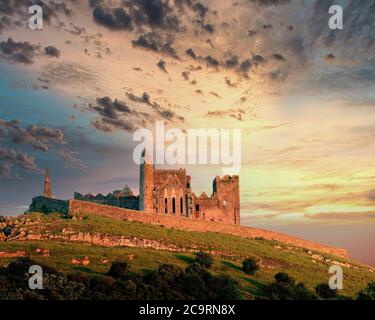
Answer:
(63, 243)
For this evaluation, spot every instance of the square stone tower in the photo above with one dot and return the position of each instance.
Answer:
(146, 183)
(227, 190)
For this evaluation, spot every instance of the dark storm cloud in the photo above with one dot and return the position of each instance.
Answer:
(231, 84)
(211, 61)
(17, 9)
(110, 125)
(162, 65)
(232, 62)
(156, 43)
(115, 115)
(153, 14)
(329, 57)
(278, 56)
(11, 157)
(186, 75)
(165, 113)
(52, 51)
(245, 66)
(190, 52)
(5, 23)
(40, 138)
(18, 52)
(114, 18)
(110, 109)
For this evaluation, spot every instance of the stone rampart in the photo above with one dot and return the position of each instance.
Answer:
(77, 208)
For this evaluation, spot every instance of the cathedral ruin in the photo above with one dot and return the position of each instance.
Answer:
(161, 193)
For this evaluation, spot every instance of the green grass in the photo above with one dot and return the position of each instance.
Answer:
(229, 251)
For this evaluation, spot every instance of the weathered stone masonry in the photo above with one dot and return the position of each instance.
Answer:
(79, 208)
(166, 198)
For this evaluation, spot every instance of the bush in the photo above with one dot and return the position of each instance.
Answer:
(368, 293)
(169, 272)
(204, 259)
(285, 288)
(119, 270)
(249, 266)
(325, 292)
(283, 277)
(168, 282)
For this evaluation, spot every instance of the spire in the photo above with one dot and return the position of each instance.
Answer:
(47, 186)
(146, 157)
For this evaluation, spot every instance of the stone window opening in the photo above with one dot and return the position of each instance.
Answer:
(174, 205)
(181, 206)
(197, 207)
(166, 205)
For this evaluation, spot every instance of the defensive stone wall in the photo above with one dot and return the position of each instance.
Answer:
(49, 205)
(77, 208)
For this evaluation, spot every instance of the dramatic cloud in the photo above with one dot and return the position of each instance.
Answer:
(164, 113)
(152, 14)
(10, 158)
(156, 43)
(18, 52)
(52, 51)
(112, 115)
(40, 138)
(162, 65)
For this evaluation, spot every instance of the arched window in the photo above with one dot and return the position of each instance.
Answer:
(166, 205)
(174, 205)
(181, 206)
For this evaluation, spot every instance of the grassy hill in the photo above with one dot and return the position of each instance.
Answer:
(67, 239)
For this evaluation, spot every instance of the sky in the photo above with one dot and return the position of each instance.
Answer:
(72, 95)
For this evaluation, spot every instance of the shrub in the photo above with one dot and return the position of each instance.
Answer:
(368, 293)
(168, 282)
(325, 292)
(283, 277)
(169, 272)
(284, 288)
(119, 270)
(195, 268)
(204, 259)
(249, 266)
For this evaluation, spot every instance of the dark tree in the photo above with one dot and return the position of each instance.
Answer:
(325, 292)
(119, 270)
(368, 293)
(250, 266)
(204, 259)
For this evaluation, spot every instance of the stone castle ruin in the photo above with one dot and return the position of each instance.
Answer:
(166, 199)
(161, 192)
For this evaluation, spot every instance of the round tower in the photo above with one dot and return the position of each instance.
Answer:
(146, 183)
